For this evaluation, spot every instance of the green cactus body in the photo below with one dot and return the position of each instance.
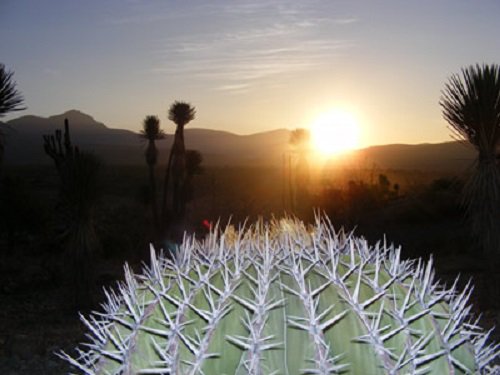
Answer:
(284, 298)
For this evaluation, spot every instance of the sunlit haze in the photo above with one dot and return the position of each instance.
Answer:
(249, 66)
(335, 132)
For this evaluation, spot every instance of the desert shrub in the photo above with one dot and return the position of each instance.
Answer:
(348, 205)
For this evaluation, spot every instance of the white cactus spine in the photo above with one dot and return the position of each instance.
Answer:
(275, 264)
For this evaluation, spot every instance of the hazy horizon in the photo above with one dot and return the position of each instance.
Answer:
(170, 129)
(249, 67)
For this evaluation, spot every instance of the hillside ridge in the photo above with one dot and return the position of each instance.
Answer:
(24, 145)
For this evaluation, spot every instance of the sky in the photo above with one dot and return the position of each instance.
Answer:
(248, 66)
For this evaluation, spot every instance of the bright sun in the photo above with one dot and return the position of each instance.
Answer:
(335, 132)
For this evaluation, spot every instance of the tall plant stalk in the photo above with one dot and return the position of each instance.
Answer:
(181, 113)
(152, 132)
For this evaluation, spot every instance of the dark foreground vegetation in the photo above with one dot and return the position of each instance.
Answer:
(419, 210)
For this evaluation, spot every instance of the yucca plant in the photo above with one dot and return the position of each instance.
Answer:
(283, 298)
(152, 132)
(181, 113)
(10, 100)
(471, 105)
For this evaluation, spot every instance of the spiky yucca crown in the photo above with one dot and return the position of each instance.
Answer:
(283, 298)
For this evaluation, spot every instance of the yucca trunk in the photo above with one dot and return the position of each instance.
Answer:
(174, 176)
(154, 200)
(482, 201)
(168, 171)
(178, 173)
(151, 159)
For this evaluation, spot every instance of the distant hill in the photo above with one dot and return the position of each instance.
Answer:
(24, 138)
(24, 145)
(446, 156)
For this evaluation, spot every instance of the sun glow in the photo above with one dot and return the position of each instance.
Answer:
(335, 132)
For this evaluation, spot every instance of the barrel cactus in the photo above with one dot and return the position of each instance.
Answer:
(285, 298)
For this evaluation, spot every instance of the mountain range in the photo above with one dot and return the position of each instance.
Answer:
(24, 145)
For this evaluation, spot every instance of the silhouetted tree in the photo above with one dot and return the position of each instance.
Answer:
(300, 138)
(10, 100)
(79, 193)
(181, 113)
(471, 105)
(151, 132)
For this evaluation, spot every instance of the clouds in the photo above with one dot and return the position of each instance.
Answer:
(240, 45)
